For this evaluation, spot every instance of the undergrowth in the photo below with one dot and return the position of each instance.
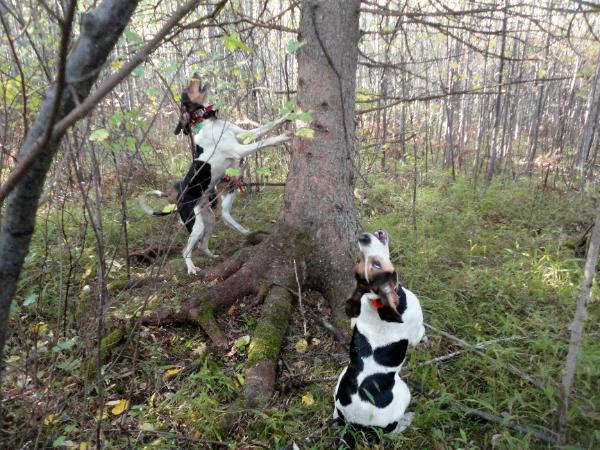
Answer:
(500, 264)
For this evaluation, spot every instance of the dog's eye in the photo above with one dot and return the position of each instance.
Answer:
(376, 265)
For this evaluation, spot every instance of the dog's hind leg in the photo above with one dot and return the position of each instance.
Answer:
(208, 217)
(404, 422)
(226, 202)
(195, 236)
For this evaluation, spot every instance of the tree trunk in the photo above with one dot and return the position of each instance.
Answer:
(100, 29)
(576, 327)
(319, 191)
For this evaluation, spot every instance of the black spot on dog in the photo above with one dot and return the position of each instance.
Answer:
(359, 349)
(402, 300)
(348, 385)
(391, 427)
(195, 182)
(377, 389)
(391, 355)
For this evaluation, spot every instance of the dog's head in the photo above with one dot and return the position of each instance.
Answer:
(193, 99)
(374, 273)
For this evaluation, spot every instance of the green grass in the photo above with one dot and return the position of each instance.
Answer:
(485, 265)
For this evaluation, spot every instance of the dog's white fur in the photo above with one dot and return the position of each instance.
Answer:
(380, 333)
(222, 150)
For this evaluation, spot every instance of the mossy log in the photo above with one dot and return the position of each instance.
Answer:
(108, 344)
(266, 344)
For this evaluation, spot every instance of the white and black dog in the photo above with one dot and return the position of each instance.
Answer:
(385, 319)
(217, 148)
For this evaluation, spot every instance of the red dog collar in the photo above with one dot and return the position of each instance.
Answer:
(376, 303)
(200, 114)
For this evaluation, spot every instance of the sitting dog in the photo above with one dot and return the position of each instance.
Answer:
(385, 319)
(218, 148)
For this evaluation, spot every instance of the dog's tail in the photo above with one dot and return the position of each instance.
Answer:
(147, 209)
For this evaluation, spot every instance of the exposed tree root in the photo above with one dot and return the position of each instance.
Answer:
(150, 255)
(266, 343)
(108, 344)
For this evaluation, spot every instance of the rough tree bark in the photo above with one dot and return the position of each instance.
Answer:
(318, 224)
(100, 29)
(319, 192)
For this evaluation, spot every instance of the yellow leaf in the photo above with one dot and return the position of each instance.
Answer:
(84, 446)
(171, 373)
(316, 341)
(301, 345)
(308, 399)
(50, 419)
(120, 407)
(41, 327)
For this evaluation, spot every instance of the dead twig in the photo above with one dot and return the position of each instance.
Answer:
(479, 346)
(508, 366)
(300, 298)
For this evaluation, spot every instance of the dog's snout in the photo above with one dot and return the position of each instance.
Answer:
(364, 238)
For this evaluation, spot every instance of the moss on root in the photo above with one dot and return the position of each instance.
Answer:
(108, 343)
(271, 328)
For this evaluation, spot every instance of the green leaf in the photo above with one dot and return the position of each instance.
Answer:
(233, 172)
(304, 116)
(138, 71)
(242, 342)
(169, 208)
(307, 133)
(99, 135)
(58, 441)
(30, 300)
(233, 42)
(65, 345)
(293, 45)
(247, 137)
(132, 36)
(264, 171)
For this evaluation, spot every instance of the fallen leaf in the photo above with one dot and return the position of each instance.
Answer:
(308, 399)
(171, 373)
(301, 346)
(242, 342)
(41, 327)
(231, 310)
(50, 419)
(146, 426)
(316, 341)
(84, 446)
(119, 407)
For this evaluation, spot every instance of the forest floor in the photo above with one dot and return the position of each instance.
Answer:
(500, 268)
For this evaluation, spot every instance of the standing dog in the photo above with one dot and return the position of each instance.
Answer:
(385, 319)
(187, 192)
(218, 148)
